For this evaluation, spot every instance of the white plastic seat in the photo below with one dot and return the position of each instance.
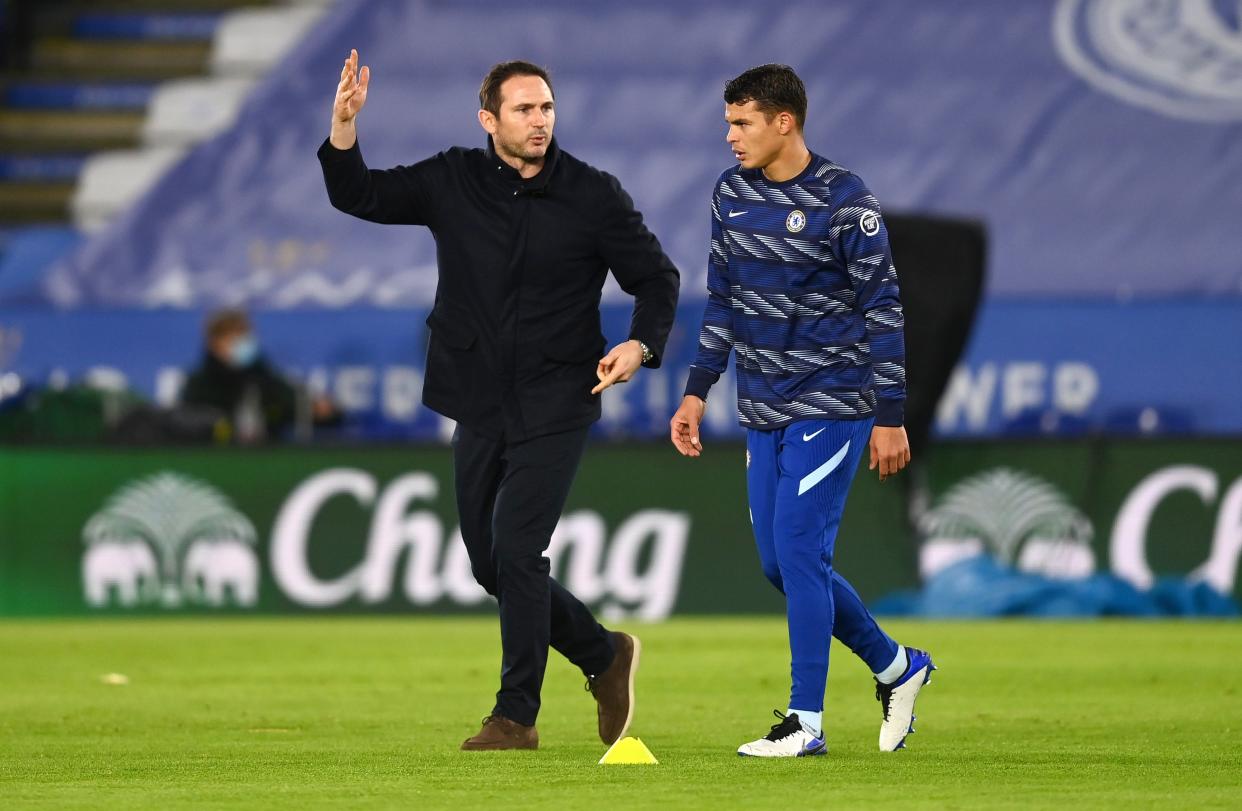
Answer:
(187, 111)
(250, 41)
(112, 181)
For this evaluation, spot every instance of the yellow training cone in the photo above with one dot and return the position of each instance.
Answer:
(628, 751)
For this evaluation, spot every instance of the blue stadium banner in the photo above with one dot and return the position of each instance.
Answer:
(1043, 368)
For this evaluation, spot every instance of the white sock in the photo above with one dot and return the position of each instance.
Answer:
(811, 721)
(895, 670)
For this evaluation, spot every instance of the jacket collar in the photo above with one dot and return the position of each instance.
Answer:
(539, 182)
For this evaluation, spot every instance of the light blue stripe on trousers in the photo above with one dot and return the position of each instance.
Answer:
(798, 478)
(818, 474)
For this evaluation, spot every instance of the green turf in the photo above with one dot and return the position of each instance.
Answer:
(368, 713)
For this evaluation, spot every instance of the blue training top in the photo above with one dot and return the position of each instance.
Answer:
(801, 285)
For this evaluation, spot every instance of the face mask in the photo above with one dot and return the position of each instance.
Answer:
(244, 352)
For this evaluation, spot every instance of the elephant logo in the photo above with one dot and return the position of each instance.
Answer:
(213, 567)
(1019, 519)
(170, 540)
(1180, 58)
(127, 568)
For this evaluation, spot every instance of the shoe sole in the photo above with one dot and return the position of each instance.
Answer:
(629, 718)
(901, 744)
(822, 749)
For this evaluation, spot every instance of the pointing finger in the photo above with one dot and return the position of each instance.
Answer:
(607, 381)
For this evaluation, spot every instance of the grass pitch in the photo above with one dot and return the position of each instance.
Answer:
(368, 713)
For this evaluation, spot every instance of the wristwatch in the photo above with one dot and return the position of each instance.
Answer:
(648, 355)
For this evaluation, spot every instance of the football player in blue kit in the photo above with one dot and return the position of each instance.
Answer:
(802, 288)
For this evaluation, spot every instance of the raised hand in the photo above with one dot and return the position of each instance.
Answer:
(351, 95)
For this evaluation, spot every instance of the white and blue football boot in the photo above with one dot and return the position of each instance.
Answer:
(898, 698)
(787, 739)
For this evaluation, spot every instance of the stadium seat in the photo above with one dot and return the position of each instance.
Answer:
(250, 41)
(191, 110)
(145, 25)
(78, 95)
(110, 181)
(86, 76)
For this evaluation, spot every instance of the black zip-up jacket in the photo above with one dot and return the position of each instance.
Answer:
(515, 331)
(216, 384)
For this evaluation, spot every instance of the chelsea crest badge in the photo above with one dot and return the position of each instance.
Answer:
(796, 221)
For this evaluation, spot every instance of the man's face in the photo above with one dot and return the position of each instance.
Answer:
(235, 348)
(523, 129)
(754, 139)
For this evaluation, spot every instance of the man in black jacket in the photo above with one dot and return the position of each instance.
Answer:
(235, 378)
(253, 400)
(525, 236)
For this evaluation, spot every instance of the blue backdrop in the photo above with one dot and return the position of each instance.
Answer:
(1099, 140)
(1031, 368)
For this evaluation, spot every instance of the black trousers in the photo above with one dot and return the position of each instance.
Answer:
(509, 499)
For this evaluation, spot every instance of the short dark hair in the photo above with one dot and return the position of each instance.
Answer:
(773, 89)
(489, 91)
(226, 322)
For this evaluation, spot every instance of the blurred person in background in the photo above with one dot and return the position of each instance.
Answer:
(801, 284)
(525, 236)
(254, 400)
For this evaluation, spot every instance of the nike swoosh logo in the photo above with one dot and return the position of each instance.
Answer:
(809, 437)
(733, 214)
(813, 747)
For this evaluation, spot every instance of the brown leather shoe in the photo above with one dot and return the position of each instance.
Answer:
(499, 732)
(614, 689)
